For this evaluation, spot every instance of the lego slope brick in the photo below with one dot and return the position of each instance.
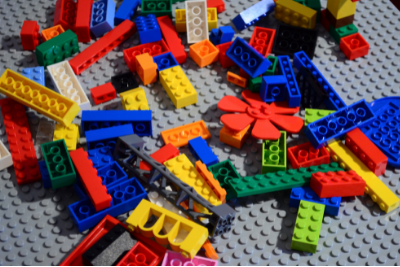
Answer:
(52, 32)
(36, 74)
(65, 14)
(196, 21)
(293, 96)
(203, 53)
(5, 157)
(165, 153)
(148, 29)
(295, 14)
(107, 136)
(201, 151)
(102, 20)
(274, 155)
(181, 135)
(103, 93)
(232, 138)
(175, 259)
(253, 14)
(354, 46)
(82, 21)
(262, 40)
(305, 155)
(172, 39)
(30, 36)
(218, 4)
(125, 11)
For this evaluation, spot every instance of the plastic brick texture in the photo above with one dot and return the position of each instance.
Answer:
(52, 32)
(262, 40)
(82, 21)
(196, 21)
(36, 74)
(45, 174)
(165, 153)
(218, 4)
(180, 19)
(146, 69)
(236, 79)
(221, 35)
(140, 255)
(103, 93)
(172, 39)
(124, 82)
(126, 11)
(100, 156)
(295, 14)
(339, 33)
(175, 259)
(111, 174)
(273, 88)
(5, 157)
(201, 151)
(315, 114)
(65, 14)
(305, 155)
(102, 21)
(148, 29)
(134, 99)
(181, 135)
(232, 138)
(203, 53)
(224, 172)
(354, 46)
(208, 177)
(252, 14)
(30, 36)
(156, 7)
(70, 134)
(107, 136)
(293, 96)
(274, 154)
(165, 61)
(224, 60)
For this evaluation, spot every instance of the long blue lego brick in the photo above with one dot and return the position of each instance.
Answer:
(98, 119)
(273, 88)
(125, 197)
(301, 60)
(45, 174)
(36, 74)
(102, 20)
(293, 93)
(126, 10)
(165, 61)
(337, 124)
(111, 174)
(100, 156)
(107, 136)
(253, 14)
(332, 204)
(247, 58)
(148, 28)
(201, 151)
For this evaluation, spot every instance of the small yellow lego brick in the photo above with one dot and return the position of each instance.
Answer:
(180, 19)
(295, 14)
(70, 134)
(212, 18)
(178, 87)
(166, 227)
(134, 99)
(341, 8)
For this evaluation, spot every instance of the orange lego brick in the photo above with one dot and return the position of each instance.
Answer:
(204, 53)
(210, 252)
(146, 68)
(52, 32)
(208, 177)
(235, 139)
(181, 135)
(236, 79)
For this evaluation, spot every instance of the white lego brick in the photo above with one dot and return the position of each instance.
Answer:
(196, 21)
(5, 157)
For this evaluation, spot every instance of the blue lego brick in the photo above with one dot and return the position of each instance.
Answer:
(102, 20)
(201, 151)
(222, 35)
(253, 14)
(293, 96)
(141, 120)
(100, 156)
(107, 136)
(148, 28)
(247, 58)
(45, 174)
(214, 37)
(36, 74)
(126, 11)
(79, 189)
(273, 88)
(300, 61)
(125, 197)
(340, 122)
(111, 174)
(332, 204)
(165, 61)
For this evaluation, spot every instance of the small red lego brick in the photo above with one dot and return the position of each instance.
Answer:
(262, 40)
(30, 36)
(65, 14)
(305, 155)
(172, 39)
(324, 20)
(354, 46)
(225, 61)
(82, 22)
(165, 153)
(219, 4)
(139, 255)
(337, 184)
(103, 93)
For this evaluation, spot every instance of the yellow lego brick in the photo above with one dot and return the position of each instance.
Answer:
(341, 8)
(180, 19)
(70, 134)
(182, 168)
(378, 191)
(178, 87)
(295, 14)
(212, 18)
(166, 227)
(134, 99)
(38, 97)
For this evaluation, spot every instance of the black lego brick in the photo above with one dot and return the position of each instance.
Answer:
(124, 82)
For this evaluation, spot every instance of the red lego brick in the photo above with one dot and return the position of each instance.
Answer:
(91, 181)
(219, 4)
(225, 61)
(165, 153)
(82, 22)
(139, 255)
(20, 141)
(354, 46)
(172, 39)
(366, 151)
(101, 47)
(262, 40)
(244, 74)
(103, 93)
(337, 184)
(30, 36)
(65, 14)
(324, 20)
(304, 155)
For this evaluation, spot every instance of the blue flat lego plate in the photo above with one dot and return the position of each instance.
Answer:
(107, 136)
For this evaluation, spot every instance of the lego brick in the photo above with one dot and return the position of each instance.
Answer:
(157, 7)
(222, 35)
(236, 79)
(140, 120)
(148, 29)
(339, 33)
(82, 21)
(305, 155)
(178, 87)
(218, 4)
(354, 46)
(92, 183)
(100, 156)
(196, 21)
(124, 82)
(65, 14)
(165, 61)
(139, 255)
(201, 151)
(262, 40)
(325, 22)
(45, 174)
(341, 8)
(315, 114)
(146, 69)
(293, 96)
(379, 192)
(225, 61)
(274, 155)
(5, 157)
(175, 259)
(273, 67)
(208, 177)
(134, 99)
(295, 14)
(180, 136)
(180, 19)
(232, 138)
(316, 5)
(203, 53)
(102, 21)
(29, 34)
(45, 132)
(111, 174)
(172, 39)
(57, 49)
(253, 14)
(107, 136)
(126, 11)
(165, 153)
(255, 84)
(66, 83)
(79, 190)
(332, 205)
(103, 93)
(247, 58)
(223, 172)
(149, 219)
(337, 23)
(70, 134)
(36, 74)
(337, 124)
(212, 18)
(308, 226)
(273, 88)
(101, 47)
(52, 32)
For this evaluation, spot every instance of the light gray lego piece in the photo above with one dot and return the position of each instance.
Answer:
(35, 228)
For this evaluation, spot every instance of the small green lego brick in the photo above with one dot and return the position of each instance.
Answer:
(341, 32)
(57, 49)
(59, 164)
(274, 155)
(157, 7)
(272, 68)
(223, 172)
(316, 114)
(255, 84)
(308, 226)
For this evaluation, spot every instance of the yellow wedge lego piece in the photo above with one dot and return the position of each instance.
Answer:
(295, 14)
(341, 8)
(180, 19)
(38, 97)
(134, 99)
(166, 227)
(378, 191)
(70, 134)
(178, 87)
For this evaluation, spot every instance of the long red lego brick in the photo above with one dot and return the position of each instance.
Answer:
(101, 47)
(20, 141)
(91, 181)
(65, 14)
(165, 153)
(82, 22)
(30, 35)
(366, 151)
(172, 39)
(219, 4)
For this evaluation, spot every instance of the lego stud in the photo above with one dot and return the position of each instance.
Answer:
(162, 6)
(140, 259)
(322, 130)
(60, 168)
(275, 91)
(274, 159)
(165, 63)
(136, 53)
(204, 50)
(302, 156)
(139, 128)
(151, 6)
(313, 153)
(156, 49)
(130, 192)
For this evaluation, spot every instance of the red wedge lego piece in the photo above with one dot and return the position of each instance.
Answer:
(219, 4)
(262, 40)
(172, 39)
(225, 61)
(139, 255)
(103, 93)
(82, 23)
(30, 35)
(65, 14)
(304, 155)
(165, 153)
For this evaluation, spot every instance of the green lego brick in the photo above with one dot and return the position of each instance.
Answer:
(303, 2)
(224, 172)
(316, 5)
(57, 49)
(277, 181)
(274, 155)
(316, 114)
(344, 31)
(255, 84)
(157, 8)
(272, 68)
(308, 226)
(59, 164)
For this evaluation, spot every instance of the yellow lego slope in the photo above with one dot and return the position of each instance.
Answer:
(295, 14)
(341, 8)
